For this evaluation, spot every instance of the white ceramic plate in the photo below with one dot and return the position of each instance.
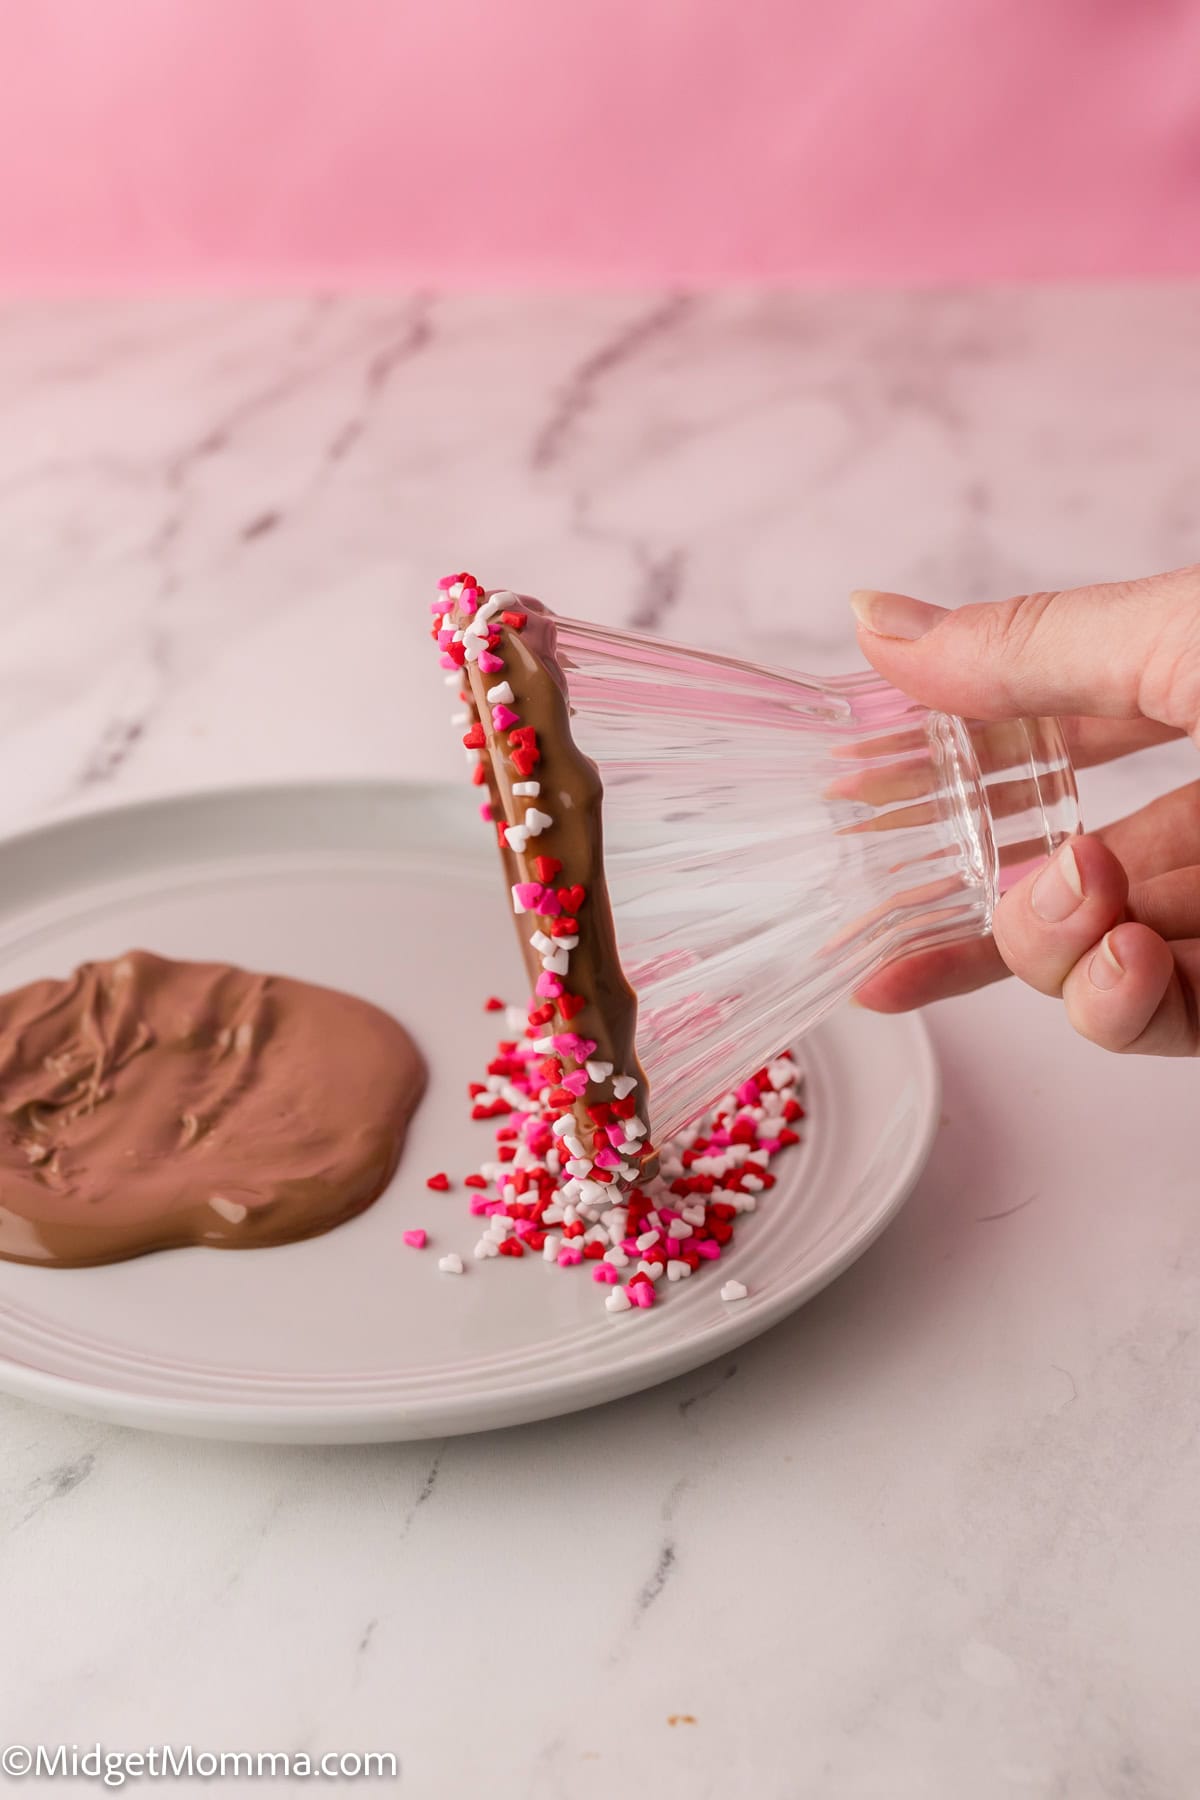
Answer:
(391, 892)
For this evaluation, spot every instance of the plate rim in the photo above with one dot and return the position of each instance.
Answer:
(528, 1401)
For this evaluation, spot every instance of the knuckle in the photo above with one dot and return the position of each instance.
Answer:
(1007, 636)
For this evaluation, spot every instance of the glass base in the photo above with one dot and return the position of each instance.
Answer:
(1026, 801)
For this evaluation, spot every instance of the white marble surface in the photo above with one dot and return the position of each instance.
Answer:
(935, 1537)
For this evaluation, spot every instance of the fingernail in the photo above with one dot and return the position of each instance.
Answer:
(1058, 890)
(1105, 970)
(895, 615)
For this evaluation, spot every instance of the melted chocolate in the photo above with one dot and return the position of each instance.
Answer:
(146, 1104)
(572, 795)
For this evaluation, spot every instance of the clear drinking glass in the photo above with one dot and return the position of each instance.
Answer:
(772, 839)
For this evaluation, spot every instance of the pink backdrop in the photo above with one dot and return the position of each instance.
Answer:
(503, 140)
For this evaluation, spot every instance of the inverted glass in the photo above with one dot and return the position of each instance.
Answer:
(773, 839)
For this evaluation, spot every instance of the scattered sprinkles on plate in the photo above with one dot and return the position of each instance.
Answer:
(574, 1177)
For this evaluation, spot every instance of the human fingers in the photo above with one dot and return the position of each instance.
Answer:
(1133, 993)
(929, 975)
(1045, 923)
(1092, 741)
(1119, 651)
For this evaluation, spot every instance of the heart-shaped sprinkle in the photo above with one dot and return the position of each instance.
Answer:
(547, 867)
(570, 1004)
(416, 1239)
(572, 898)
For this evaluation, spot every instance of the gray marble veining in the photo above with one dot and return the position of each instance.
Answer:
(936, 1535)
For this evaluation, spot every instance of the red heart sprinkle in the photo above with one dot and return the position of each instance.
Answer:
(570, 1004)
(440, 1183)
(515, 619)
(525, 762)
(492, 1004)
(474, 739)
(477, 775)
(541, 1015)
(547, 867)
(572, 898)
(564, 928)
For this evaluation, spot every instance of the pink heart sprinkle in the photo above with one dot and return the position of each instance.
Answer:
(576, 1083)
(568, 1258)
(748, 1094)
(447, 662)
(606, 1158)
(548, 986)
(491, 665)
(529, 893)
(642, 1294)
(604, 1272)
(585, 1047)
(504, 716)
(616, 1135)
(415, 1238)
(445, 639)
(707, 1248)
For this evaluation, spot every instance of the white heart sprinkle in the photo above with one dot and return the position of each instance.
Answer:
(623, 1085)
(450, 1265)
(734, 1290)
(598, 1071)
(500, 695)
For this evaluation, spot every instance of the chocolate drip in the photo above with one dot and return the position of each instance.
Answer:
(146, 1104)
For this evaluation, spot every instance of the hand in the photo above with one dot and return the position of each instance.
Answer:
(1112, 922)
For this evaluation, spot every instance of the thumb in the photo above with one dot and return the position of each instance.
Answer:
(1124, 650)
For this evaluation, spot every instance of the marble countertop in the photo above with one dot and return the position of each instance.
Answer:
(935, 1537)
